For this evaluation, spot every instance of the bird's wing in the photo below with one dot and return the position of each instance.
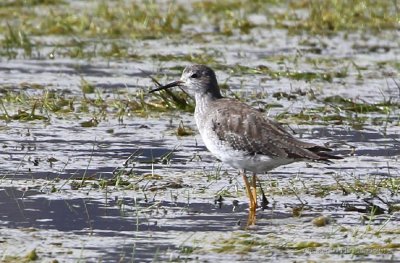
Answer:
(247, 129)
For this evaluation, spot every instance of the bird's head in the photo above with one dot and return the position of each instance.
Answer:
(198, 80)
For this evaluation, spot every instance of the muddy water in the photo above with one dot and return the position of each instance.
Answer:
(56, 196)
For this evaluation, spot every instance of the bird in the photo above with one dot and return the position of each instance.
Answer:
(240, 135)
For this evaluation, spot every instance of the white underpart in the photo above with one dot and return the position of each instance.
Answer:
(257, 163)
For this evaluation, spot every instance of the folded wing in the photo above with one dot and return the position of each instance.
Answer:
(248, 130)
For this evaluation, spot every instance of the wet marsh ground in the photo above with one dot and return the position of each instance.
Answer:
(95, 169)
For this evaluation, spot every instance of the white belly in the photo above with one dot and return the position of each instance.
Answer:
(256, 163)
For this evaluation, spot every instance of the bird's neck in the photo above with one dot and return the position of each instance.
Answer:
(203, 101)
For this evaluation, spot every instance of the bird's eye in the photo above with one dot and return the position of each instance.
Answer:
(194, 76)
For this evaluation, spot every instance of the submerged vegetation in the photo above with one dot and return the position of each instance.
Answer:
(46, 103)
(334, 16)
(97, 26)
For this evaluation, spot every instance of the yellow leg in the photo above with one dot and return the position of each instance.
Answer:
(248, 188)
(251, 193)
(254, 190)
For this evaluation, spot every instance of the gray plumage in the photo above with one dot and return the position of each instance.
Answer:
(246, 129)
(238, 134)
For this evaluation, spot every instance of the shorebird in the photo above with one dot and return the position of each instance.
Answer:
(240, 135)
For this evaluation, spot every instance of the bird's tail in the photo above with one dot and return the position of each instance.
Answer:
(322, 153)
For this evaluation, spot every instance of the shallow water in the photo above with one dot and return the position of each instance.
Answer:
(135, 191)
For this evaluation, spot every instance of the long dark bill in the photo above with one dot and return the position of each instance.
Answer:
(170, 85)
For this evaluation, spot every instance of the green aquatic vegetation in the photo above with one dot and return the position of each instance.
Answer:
(110, 22)
(325, 17)
(217, 7)
(149, 19)
(14, 39)
(36, 102)
(86, 87)
(57, 103)
(86, 24)
(340, 110)
(207, 57)
(94, 122)
(326, 62)
(21, 114)
(367, 186)
(31, 256)
(45, 103)
(226, 193)
(117, 181)
(226, 16)
(372, 186)
(167, 100)
(187, 250)
(77, 49)
(384, 246)
(89, 48)
(309, 76)
(241, 70)
(116, 50)
(239, 244)
(31, 3)
(322, 191)
(183, 130)
(321, 221)
(26, 111)
(139, 20)
(358, 107)
(311, 116)
(295, 75)
(304, 245)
